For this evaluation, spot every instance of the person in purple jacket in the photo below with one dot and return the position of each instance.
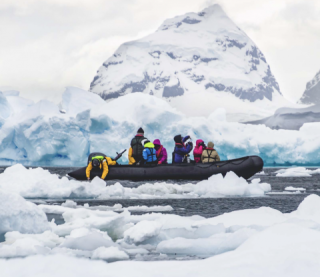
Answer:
(181, 149)
(161, 152)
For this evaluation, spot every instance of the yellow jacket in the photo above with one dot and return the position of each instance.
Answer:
(107, 161)
(131, 159)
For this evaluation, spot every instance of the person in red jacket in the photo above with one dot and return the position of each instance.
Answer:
(161, 152)
(197, 152)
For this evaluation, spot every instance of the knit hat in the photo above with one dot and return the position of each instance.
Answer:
(140, 131)
(178, 139)
(210, 144)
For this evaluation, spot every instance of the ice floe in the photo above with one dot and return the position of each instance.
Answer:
(17, 214)
(296, 172)
(253, 242)
(40, 183)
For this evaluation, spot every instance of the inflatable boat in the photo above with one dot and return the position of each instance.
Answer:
(244, 167)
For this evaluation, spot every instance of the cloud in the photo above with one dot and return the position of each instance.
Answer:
(49, 44)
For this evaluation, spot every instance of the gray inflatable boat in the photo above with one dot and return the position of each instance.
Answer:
(244, 167)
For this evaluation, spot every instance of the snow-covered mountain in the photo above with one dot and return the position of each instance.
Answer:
(312, 93)
(187, 56)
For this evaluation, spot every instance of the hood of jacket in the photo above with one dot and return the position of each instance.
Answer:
(198, 142)
(157, 142)
(149, 145)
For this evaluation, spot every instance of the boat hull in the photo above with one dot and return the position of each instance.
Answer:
(244, 167)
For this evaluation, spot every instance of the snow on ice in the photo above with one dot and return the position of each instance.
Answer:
(253, 242)
(40, 183)
(38, 134)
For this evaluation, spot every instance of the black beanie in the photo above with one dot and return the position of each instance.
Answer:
(178, 139)
(140, 131)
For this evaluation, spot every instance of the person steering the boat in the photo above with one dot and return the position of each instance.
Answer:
(210, 155)
(135, 151)
(99, 161)
(182, 149)
(149, 154)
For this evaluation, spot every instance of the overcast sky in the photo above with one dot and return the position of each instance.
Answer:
(46, 45)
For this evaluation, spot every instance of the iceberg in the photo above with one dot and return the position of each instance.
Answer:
(40, 135)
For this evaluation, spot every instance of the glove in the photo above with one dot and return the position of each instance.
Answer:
(88, 178)
(159, 162)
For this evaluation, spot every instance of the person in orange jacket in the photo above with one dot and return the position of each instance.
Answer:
(99, 161)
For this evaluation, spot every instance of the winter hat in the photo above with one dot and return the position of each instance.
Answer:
(210, 144)
(140, 131)
(156, 142)
(178, 139)
(95, 162)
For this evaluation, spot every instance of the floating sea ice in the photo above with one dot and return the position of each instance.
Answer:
(309, 209)
(271, 252)
(296, 172)
(20, 245)
(261, 173)
(36, 183)
(295, 189)
(88, 242)
(142, 231)
(263, 216)
(17, 214)
(69, 204)
(83, 218)
(213, 245)
(109, 254)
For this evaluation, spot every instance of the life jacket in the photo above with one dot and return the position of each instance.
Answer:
(151, 153)
(137, 147)
(159, 151)
(209, 152)
(95, 154)
(100, 159)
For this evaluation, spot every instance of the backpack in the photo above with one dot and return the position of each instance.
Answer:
(137, 147)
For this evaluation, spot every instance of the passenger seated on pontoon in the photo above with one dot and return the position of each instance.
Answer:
(210, 155)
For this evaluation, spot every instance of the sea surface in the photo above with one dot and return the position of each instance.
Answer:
(210, 207)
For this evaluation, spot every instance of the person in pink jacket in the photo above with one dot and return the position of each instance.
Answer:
(197, 151)
(161, 152)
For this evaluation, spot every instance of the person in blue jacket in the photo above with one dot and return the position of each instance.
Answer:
(181, 150)
(149, 153)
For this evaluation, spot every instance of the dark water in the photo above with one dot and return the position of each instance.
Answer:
(215, 206)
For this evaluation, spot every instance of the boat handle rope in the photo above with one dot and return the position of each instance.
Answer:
(227, 162)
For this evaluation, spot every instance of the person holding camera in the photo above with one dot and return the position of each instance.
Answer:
(183, 147)
(197, 151)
